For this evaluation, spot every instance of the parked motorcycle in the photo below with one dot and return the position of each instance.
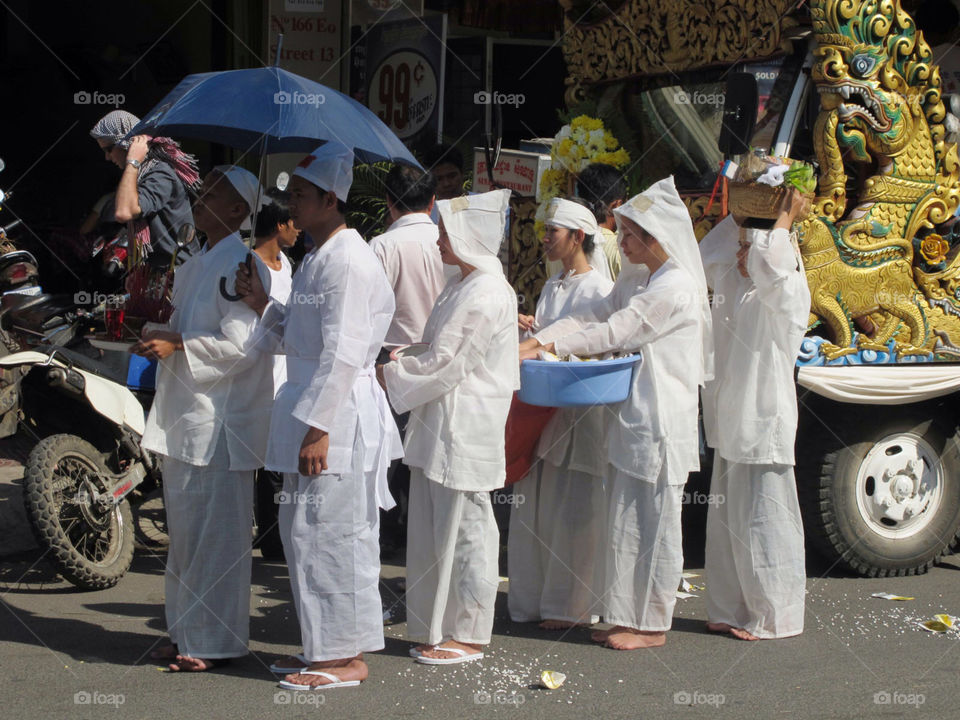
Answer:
(85, 466)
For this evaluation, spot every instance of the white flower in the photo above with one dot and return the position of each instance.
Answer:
(563, 134)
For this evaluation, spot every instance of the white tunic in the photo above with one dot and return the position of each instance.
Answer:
(281, 282)
(217, 381)
(331, 331)
(579, 430)
(659, 418)
(759, 325)
(460, 391)
(411, 260)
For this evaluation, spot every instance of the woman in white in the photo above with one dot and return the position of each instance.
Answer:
(558, 518)
(275, 233)
(755, 568)
(458, 393)
(653, 445)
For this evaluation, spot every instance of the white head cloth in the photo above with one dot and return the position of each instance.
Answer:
(574, 216)
(330, 168)
(567, 214)
(245, 183)
(660, 211)
(475, 225)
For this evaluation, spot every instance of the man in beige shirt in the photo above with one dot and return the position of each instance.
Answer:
(411, 260)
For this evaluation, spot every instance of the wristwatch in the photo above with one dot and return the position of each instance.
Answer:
(135, 163)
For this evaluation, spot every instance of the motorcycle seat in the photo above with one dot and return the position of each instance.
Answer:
(82, 362)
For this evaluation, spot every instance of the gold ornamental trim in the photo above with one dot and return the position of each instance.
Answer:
(644, 37)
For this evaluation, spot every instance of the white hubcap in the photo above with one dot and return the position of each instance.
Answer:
(899, 486)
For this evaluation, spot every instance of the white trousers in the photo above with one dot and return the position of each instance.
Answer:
(644, 557)
(555, 548)
(755, 570)
(207, 580)
(452, 573)
(330, 527)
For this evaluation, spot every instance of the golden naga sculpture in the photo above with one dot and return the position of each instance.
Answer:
(878, 270)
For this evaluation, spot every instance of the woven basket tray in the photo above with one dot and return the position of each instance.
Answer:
(757, 200)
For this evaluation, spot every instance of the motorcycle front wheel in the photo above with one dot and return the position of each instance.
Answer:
(90, 543)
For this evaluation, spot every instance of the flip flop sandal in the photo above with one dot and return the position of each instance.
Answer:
(281, 670)
(414, 653)
(462, 657)
(335, 682)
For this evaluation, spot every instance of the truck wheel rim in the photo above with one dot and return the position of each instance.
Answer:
(900, 486)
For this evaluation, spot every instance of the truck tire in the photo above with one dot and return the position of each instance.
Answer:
(90, 547)
(880, 490)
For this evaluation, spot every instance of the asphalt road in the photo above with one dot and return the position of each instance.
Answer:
(66, 653)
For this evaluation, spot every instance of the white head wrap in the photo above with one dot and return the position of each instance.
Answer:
(330, 168)
(574, 216)
(475, 225)
(568, 214)
(660, 211)
(245, 183)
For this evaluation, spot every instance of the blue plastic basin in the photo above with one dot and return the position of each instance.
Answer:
(576, 384)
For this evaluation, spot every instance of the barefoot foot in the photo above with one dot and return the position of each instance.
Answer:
(624, 638)
(185, 663)
(727, 629)
(600, 636)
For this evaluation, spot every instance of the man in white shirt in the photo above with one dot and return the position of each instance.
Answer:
(331, 432)
(411, 260)
(207, 421)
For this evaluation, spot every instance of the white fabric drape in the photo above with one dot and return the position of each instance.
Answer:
(452, 576)
(556, 545)
(207, 580)
(755, 571)
(645, 562)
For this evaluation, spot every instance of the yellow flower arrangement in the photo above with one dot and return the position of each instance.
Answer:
(934, 249)
(583, 142)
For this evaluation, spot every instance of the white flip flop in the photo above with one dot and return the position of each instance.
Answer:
(280, 670)
(462, 657)
(335, 682)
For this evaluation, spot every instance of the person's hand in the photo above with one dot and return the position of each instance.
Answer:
(794, 207)
(380, 379)
(531, 354)
(158, 344)
(313, 452)
(138, 148)
(742, 254)
(525, 322)
(250, 289)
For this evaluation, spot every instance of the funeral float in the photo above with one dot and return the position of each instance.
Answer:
(851, 89)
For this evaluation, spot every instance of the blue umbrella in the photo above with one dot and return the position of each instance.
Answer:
(271, 110)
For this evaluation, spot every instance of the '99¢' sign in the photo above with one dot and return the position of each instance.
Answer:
(403, 92)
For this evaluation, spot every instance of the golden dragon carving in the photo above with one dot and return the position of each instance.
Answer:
(878, 269)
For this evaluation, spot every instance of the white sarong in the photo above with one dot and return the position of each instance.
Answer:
(755, 571)
(330, 527)
(452, 572)
(207, 580)
(645, 552)
(555, 546)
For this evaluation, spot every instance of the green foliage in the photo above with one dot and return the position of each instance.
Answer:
(367, 202)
